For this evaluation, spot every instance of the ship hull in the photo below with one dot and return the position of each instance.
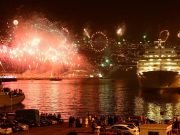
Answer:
(6, 100)
(159, 79)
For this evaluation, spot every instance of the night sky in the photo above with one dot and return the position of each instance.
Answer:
(138, 16)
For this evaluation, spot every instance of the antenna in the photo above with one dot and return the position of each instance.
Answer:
(159, 42)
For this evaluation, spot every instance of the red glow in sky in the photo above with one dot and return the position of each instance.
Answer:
(41, 46)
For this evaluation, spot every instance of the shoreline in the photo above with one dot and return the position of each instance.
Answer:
(60, 129)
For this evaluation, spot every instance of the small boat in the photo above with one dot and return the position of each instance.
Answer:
(7, 78)
(55, 79)
(10, 97)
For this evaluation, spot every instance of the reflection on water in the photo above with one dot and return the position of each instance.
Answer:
(160, 104)
(78, 97)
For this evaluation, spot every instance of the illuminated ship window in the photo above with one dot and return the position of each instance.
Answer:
(174, 60)
(150, 52)
(170, 63)
(143, 60)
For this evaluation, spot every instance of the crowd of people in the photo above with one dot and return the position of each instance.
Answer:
(94, 121)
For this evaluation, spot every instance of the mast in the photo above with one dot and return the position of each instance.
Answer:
(159, 43)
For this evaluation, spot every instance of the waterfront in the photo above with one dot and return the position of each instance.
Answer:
(106, 96)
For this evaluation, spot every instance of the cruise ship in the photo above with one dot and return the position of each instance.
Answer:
(159, 67)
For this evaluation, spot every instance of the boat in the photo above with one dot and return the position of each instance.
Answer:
(55, 79)
(7, 78)
(10, 97)
(159, 67)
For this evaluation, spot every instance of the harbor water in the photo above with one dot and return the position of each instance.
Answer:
(98, 96)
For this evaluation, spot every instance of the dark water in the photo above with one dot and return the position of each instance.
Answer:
(78, 97)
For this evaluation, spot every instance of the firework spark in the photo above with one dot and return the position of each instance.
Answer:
(86, 33)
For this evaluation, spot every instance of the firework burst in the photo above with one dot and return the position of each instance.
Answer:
(41, 46)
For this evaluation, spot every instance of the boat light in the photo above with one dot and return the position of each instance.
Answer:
(91, 76)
